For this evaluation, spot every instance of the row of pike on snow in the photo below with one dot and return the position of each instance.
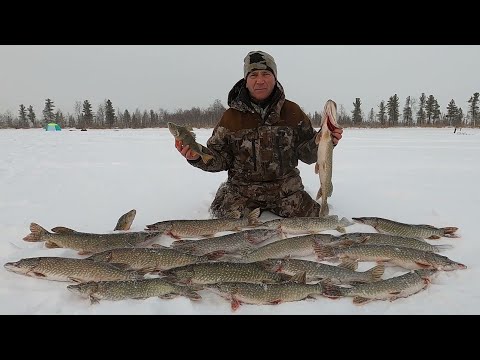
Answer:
(238, 266)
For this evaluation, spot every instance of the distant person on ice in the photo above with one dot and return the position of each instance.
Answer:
(259, 141)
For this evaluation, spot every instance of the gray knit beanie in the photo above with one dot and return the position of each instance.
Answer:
(259, 60)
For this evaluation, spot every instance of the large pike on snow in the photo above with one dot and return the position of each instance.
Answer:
(423, 231)
(205, 228)
(324, 164)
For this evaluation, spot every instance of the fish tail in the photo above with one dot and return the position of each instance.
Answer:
(376, 272)
(36, 233)
(324, 210)
(449, 231)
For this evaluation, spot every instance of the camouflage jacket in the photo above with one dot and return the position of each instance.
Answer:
(255, 149)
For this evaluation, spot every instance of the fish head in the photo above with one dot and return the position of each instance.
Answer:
(366, 220)
(84, 289)
(126, 220)
(452, 265)
(23, 266)
(174, 129)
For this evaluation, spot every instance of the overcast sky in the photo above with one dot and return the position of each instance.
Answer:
(185, 76)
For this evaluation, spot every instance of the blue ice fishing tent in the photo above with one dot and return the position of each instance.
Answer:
(52, 127)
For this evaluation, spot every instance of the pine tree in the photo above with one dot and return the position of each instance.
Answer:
(430, 109)
(407, 113)
(357, 112)
(421, 115)
(393, 110)
(87, 114)
(22, 119)
(48, 114)
(473, 110)
(381, 114)
(109, 114)
(371, 116)
(452, 113)
(31, 116)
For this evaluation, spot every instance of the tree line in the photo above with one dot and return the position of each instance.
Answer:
(424, 111)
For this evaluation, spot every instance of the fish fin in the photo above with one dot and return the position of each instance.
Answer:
(434, 237)
(51, 245)
(235, 304)
(331, 291)
(84, 252)
(167, 296)
(451, 236)
(349, 264)
(341, 229)
(169, 233)
(358, 300)
(449, 229)
(319, 193)
(192, 295)
(439, 248)
(37, 274)
(323, 251)
(253, 217)
(206, 158)
(376, 272)
(94, 300)
(317, 168)
(36, 233)
(423, 265)
(75, 279)
(394, 292)
(214, 255)
(299, 278)
(63, 230)
(275, 302)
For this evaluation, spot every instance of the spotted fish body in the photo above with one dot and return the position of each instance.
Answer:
(88, 243)
(132, 289)
(148, 259)
(265, 294)
(216, 272)
(198, 228)
(386, 226)
(389, 289)
(231, 243)
(324, 165)
(298, 246)
(187, 137)
(69, 269)
(318, 271)
(308, 225)
(393, 240)
(401, 256)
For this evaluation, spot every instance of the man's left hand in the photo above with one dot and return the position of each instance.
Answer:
(336, 135)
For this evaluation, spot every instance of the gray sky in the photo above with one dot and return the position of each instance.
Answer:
(183, 76)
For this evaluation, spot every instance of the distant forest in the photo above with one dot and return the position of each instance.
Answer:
(424, 111)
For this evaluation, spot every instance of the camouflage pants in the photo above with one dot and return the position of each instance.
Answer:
(231, 198)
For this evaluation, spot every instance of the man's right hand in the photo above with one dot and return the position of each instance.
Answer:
(185, 151)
